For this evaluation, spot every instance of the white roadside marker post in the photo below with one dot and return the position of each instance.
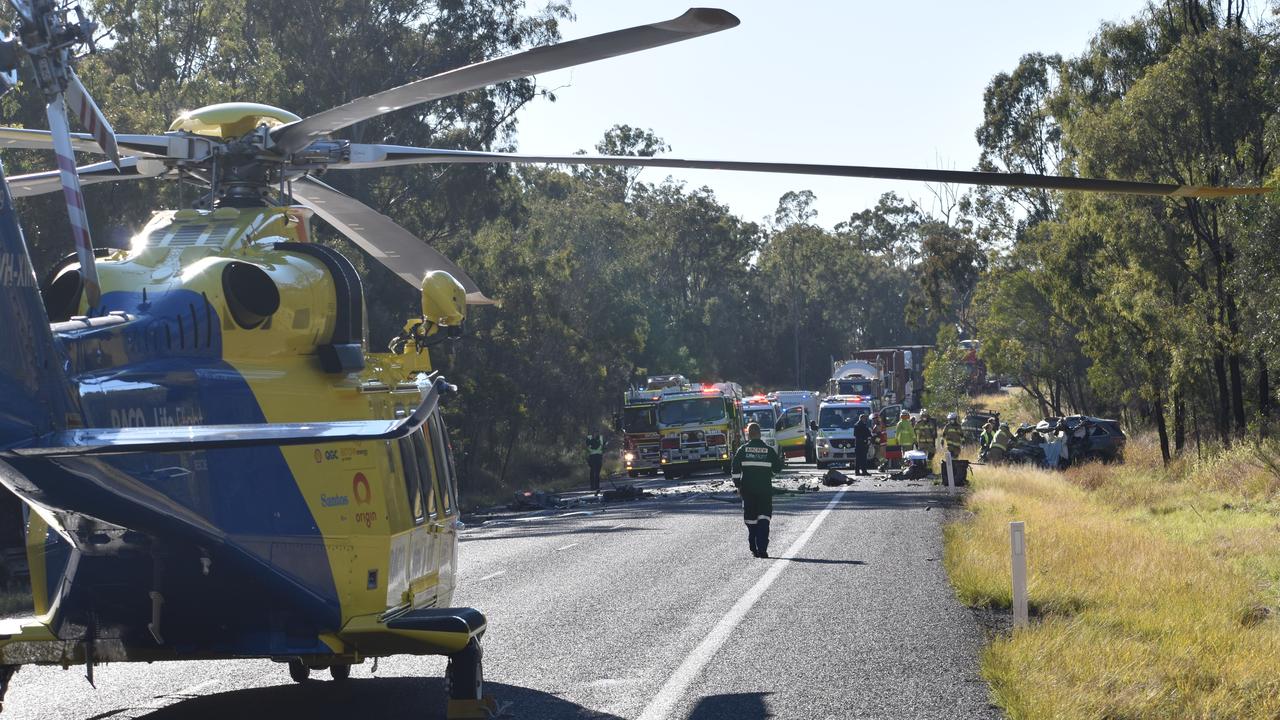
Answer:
(1018, 546)
(951, 472)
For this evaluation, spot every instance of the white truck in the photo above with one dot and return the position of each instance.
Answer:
(855, 377)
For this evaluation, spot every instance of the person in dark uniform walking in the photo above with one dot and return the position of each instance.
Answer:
(595, 459)
(861, 445)
(752, 472)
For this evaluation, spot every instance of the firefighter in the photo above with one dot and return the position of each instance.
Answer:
(927, 435)
(595, 459)
(752, 473)
(952, 435)
(999, 444)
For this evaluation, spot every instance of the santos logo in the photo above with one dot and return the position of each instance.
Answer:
(334, 500)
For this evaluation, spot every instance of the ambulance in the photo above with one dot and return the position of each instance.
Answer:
(836, 417)
(758, 409)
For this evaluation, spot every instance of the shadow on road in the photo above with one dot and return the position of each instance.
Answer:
(861, 498)
(390, 698)
(732, 705)
(824, 561)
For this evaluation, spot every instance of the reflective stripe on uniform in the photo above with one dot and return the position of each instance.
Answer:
(768, 518)
(756, 463)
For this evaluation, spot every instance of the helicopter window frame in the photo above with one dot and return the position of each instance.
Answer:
(444, 465)
(426, 480)
(413, 458)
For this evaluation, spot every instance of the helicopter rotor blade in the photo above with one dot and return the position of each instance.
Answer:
(81, 104)
(693, 23)
(158, 145)
(71, 193)
(395, 247)
(131, 168)
(374, 156)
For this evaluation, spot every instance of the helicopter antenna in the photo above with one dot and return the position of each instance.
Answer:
(49, 34)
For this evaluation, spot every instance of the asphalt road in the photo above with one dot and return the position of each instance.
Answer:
(651, 609)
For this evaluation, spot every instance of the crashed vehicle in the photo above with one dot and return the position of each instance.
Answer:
(971, 427)
(1090, 438)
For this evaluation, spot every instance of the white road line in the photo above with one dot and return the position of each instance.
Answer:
(674, 689)
(566, 547)
(491, 576)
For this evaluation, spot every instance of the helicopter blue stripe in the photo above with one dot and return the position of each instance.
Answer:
(246, 500)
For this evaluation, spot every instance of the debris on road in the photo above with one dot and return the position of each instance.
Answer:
(534, 500)
(624, 493)
(835, 477)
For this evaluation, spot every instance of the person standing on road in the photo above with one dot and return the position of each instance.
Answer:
(906, 432)
(861, 445)
(595, 459)
(953, 435)
(752, 472)
(927, 435)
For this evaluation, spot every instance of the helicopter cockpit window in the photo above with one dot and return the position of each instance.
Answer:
(444, 465)
(417, 478)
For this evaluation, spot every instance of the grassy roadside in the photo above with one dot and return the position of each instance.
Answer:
(1154, 588)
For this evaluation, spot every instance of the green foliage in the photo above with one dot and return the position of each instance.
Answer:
(946, 376)
(1155, 301)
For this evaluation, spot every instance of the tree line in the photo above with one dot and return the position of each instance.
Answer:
(1155, 309)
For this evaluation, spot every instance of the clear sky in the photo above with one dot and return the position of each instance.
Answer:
(829, 81)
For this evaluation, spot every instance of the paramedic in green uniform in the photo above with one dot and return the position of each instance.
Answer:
(752, 472)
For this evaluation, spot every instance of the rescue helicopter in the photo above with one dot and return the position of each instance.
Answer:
(213, 462)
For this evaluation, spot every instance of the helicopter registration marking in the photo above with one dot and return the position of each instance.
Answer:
(161, 416)
(15, 271)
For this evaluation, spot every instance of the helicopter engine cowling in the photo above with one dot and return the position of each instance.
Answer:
(269, 293)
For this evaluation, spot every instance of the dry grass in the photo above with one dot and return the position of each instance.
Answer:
(1154, 588)
(1013, 404)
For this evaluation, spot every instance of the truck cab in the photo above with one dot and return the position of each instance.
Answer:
(638, 424)
(700, 428)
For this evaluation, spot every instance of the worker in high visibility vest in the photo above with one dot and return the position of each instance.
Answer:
(595, 460)
(906, 432)
(985, 437)
(999, 445)
(892, 448)
(953, 435)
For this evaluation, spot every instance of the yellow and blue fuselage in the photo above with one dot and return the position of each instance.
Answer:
(308, 551)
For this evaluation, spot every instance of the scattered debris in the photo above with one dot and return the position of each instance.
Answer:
(624, 493)
(835, 477)
(535, 500)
